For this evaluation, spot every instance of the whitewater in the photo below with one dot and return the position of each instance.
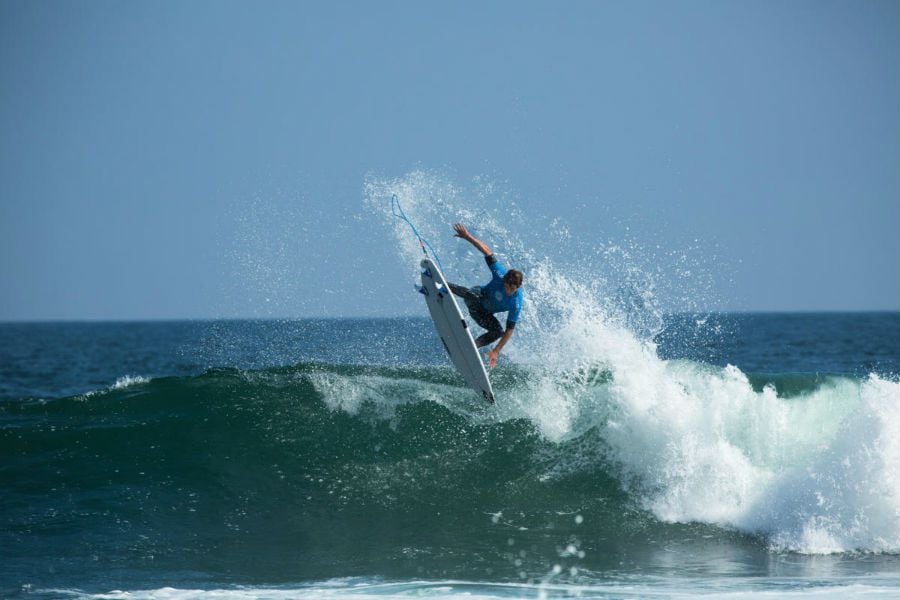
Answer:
(817, 473)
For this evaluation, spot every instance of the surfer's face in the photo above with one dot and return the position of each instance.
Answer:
(510, 289)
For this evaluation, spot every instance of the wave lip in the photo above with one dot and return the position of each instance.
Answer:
(128, 381)
(121, 383)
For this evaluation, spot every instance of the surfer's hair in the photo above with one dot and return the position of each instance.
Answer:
(513, 278)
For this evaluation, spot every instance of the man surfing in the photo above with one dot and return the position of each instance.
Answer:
(502, 294)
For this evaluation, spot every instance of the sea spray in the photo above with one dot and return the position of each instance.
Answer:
(690, 442)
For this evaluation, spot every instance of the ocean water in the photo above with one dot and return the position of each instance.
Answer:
(726, 455)
(640, 446)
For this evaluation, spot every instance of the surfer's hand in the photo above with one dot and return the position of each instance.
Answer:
(461, 231)
(492, 358)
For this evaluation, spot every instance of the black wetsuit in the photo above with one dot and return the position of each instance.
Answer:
(477, 302)
(472, 298)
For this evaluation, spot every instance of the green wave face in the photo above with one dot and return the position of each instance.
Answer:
(316, 471)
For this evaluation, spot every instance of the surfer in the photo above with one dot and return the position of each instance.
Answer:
(502, 294)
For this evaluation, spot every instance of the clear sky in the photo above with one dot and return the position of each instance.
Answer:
(198, 159)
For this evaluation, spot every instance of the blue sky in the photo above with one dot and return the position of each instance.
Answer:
(205, 159)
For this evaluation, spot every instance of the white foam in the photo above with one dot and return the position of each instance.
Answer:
(379, 397)
(351, 393)
(847, 495)
(669, 588)
(121, 383)
(127, 381)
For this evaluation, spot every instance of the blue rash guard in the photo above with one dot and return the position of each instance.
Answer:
(493, 294)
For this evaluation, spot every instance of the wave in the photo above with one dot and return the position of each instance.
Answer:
(686, 442)
(597, 448)
(809, 463)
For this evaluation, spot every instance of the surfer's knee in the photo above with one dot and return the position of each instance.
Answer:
(488, 337)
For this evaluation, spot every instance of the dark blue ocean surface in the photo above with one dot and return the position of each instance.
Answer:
(50, 360)
(729, 453)
(853, 344)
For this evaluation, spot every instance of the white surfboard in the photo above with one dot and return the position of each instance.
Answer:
(453, 330)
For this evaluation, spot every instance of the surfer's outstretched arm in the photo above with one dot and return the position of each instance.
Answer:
(462, 232)
(493, 354)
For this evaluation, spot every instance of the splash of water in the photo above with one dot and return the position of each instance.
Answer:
(816, 473)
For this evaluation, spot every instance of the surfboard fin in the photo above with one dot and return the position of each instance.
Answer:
(441, 290)
(427, 273)
(421, 289)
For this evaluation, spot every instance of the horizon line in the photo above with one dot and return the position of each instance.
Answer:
(89, 320)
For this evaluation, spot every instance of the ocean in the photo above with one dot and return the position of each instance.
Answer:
(718, 455)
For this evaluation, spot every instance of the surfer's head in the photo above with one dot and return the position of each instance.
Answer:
(512, 281)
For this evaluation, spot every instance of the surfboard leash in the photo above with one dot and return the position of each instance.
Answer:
(397, 211)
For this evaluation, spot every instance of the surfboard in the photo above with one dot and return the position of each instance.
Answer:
(453, 330)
